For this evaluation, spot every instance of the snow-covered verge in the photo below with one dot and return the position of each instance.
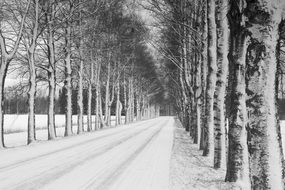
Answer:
(189, 169)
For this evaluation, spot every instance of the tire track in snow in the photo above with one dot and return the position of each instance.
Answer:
(27, 161)
(116, 173)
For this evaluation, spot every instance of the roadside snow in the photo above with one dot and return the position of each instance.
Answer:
(189, 169)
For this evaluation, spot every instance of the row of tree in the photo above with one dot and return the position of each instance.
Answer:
(223, 60)
(77, 45)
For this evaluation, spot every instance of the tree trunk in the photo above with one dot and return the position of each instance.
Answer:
(204, 74)
(3, 72)
(197, 108)
(138, 99)
(51, 119)
(197, 75)
(32, 78)
(103, 124)
(91, 81)
(67, 83)
(97, 119)
(51, 71)
(118, 106)
(185, 102)
(211, 83)
(31, 101)
(126, 105)
(132, 100)
(238, 161)
(107, 91)
(222, 62)
(266, 155)
(80, 99)
(89, 114)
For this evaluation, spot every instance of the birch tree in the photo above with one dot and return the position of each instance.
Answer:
(211, 82)
(222, 62)
(51, 70)
(238, 158)
(266, 155)
(68, 69)
(31, 45)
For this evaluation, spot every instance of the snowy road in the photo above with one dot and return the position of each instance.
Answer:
(130, 157)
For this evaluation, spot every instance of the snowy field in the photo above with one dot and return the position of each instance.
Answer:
(128, 157)
(18, 123)
(15, 127)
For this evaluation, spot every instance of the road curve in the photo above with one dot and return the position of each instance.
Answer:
(136, 156)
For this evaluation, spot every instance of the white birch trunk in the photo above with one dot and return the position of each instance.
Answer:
(97, 119)
(266, 155)
(80, 99)
(32, 78)
(238, 158)
(89, 110)
(204, 73)
(51, 71)
(222, 76)
(67, 83)
(107, 91)
(211, 83)
(89, 104)
(118, 106)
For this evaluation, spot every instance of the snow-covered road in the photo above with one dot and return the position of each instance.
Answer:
(130, 157)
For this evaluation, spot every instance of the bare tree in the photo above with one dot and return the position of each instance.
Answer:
(7, 55)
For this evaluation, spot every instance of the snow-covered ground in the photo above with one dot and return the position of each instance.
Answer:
(135, 156)
(154, 154)
(190, 170)
(17, 123)
(16, 128)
